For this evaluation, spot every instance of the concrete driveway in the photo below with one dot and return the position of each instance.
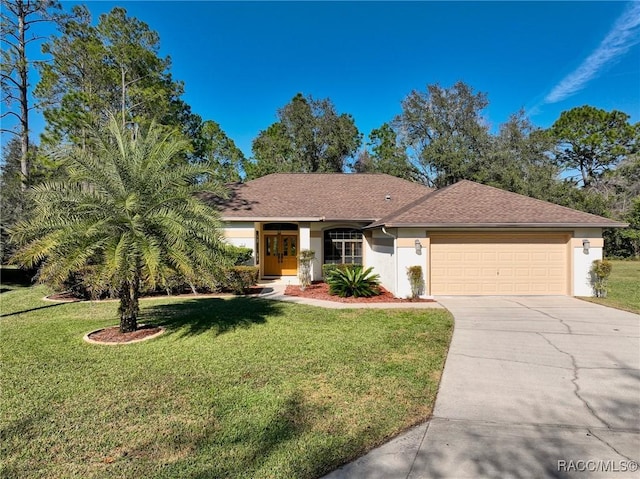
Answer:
(532, 387)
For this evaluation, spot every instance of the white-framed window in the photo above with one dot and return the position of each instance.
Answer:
(343, 245)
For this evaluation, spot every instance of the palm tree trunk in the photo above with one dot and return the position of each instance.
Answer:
(129, 306)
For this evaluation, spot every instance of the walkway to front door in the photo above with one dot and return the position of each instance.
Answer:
(280, 255)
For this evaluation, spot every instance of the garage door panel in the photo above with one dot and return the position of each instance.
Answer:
(488, 271)
(474, 273)
(522, 272)
(504, 288)
(488, 288)
(506, 274)
(506, 257)
(489, 257)
(509, 263)
(539, 256)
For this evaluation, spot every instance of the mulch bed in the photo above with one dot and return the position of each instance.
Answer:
(113, 334)
(160, 294)
(320, 290)
(64, 296)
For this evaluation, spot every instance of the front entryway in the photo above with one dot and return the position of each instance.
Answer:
(280, 254)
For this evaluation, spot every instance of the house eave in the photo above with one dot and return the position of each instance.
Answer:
(294, 219)
(352, 220)
(499, 225)
(276, 219)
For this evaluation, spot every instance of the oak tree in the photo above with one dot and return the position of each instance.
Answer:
(309, 136)
(446, 130)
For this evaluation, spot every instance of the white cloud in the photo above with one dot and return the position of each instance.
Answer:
(624, 35)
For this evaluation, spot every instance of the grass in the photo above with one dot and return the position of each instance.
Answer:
(624, 287)
(236, 388)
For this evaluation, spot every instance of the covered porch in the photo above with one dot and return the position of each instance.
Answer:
(276, 245)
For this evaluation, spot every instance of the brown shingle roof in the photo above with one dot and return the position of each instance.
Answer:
(328, 196)
(469, 204)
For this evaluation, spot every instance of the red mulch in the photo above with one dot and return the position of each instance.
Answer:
(64, 296)
(160, 294)
(113, 334)
(321, 291)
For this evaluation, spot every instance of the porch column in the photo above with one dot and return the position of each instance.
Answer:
(257, 247)
(305, 242)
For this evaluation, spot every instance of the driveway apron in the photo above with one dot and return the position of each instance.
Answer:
(533, 387)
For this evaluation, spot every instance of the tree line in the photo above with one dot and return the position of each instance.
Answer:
(109, 70)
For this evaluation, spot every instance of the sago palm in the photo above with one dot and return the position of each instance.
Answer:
(130, 211)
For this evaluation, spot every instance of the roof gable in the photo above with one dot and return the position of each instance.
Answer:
(469, 204)
(318, 196)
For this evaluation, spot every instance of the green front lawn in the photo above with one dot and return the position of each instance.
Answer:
(624, 287)
(235, 388)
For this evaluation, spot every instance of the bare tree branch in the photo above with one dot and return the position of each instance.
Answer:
(9, 112)
(11, 79)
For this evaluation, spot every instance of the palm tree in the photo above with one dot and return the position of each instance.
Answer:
(130, 211)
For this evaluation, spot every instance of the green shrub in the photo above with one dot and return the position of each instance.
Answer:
(329, 269)
(600, 272)
(240, 278)
(416, 280)
(354, 281)
(239, 255)
(86, 284)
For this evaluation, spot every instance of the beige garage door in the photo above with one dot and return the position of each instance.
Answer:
(500, 263)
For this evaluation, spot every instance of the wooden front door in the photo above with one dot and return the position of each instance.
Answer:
(281, 255)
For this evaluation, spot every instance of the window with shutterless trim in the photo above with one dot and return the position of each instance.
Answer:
(343, 245)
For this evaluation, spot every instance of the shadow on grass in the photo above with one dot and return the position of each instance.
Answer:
(197, 316)
(31, 309)
(252, 444)
(286, 424)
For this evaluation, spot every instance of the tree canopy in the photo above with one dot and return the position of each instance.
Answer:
(519, 161)
(387, 155)
(446, 130)
(108, 68)
(309, 136)
(215, 149)
(594, 141)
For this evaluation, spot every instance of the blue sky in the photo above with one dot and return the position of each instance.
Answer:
(241, 61)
